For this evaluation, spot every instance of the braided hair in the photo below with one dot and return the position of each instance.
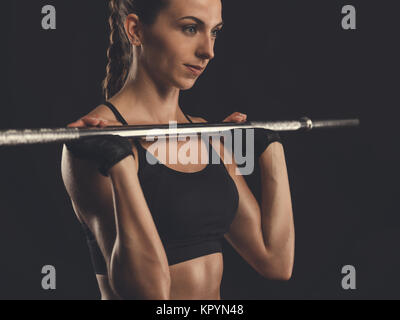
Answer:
(120, 53)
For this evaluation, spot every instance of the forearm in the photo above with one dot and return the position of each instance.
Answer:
(276, 208)
(138, 261)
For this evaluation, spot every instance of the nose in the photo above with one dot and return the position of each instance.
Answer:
(205, 49)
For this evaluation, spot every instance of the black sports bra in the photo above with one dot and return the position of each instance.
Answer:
(191, 211)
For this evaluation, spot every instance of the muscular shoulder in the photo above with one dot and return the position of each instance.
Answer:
(80, 175)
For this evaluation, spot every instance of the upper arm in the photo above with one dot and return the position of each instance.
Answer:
(100, 202)
(91, 197)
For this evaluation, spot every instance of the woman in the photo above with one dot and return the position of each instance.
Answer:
(155, 231)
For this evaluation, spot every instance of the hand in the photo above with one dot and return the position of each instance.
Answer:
(104, 150)
(89, 122)
(262, 137)
(236, 117)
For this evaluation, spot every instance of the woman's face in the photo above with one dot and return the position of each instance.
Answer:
(183, 34)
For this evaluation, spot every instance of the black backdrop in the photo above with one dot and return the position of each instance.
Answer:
(274, 60)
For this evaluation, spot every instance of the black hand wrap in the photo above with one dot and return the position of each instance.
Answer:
(262, 139)
(104, 150)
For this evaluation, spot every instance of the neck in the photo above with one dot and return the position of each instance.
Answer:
(143, 96)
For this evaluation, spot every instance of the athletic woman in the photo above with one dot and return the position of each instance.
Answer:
(155, 231)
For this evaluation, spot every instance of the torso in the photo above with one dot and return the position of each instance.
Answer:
(198, 278)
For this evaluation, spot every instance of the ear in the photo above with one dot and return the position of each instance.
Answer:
(133, 29)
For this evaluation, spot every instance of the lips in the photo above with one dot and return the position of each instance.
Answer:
(196, 70)
(195, 67)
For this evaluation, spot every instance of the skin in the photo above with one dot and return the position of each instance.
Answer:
(150, 96)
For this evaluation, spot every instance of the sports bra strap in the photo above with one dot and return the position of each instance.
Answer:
(121, 118)
(188, 118)
(116, 112)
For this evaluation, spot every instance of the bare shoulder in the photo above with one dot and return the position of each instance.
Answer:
(104, 112)
(81, 178)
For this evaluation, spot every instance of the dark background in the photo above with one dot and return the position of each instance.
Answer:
(274, 60)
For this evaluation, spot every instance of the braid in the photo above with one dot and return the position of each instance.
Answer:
(119, 52)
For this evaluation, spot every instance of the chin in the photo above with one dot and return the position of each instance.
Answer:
(183, 83)
(186, 88)
(186, 85)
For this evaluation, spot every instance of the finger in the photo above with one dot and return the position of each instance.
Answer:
(78, 123)
(94, 122)
(230, 118)
(91, 121)
(236, 117)
(240, 117)
(103, 123)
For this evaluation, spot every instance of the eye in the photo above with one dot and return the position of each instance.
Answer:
(216, 32)
(192, 29)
